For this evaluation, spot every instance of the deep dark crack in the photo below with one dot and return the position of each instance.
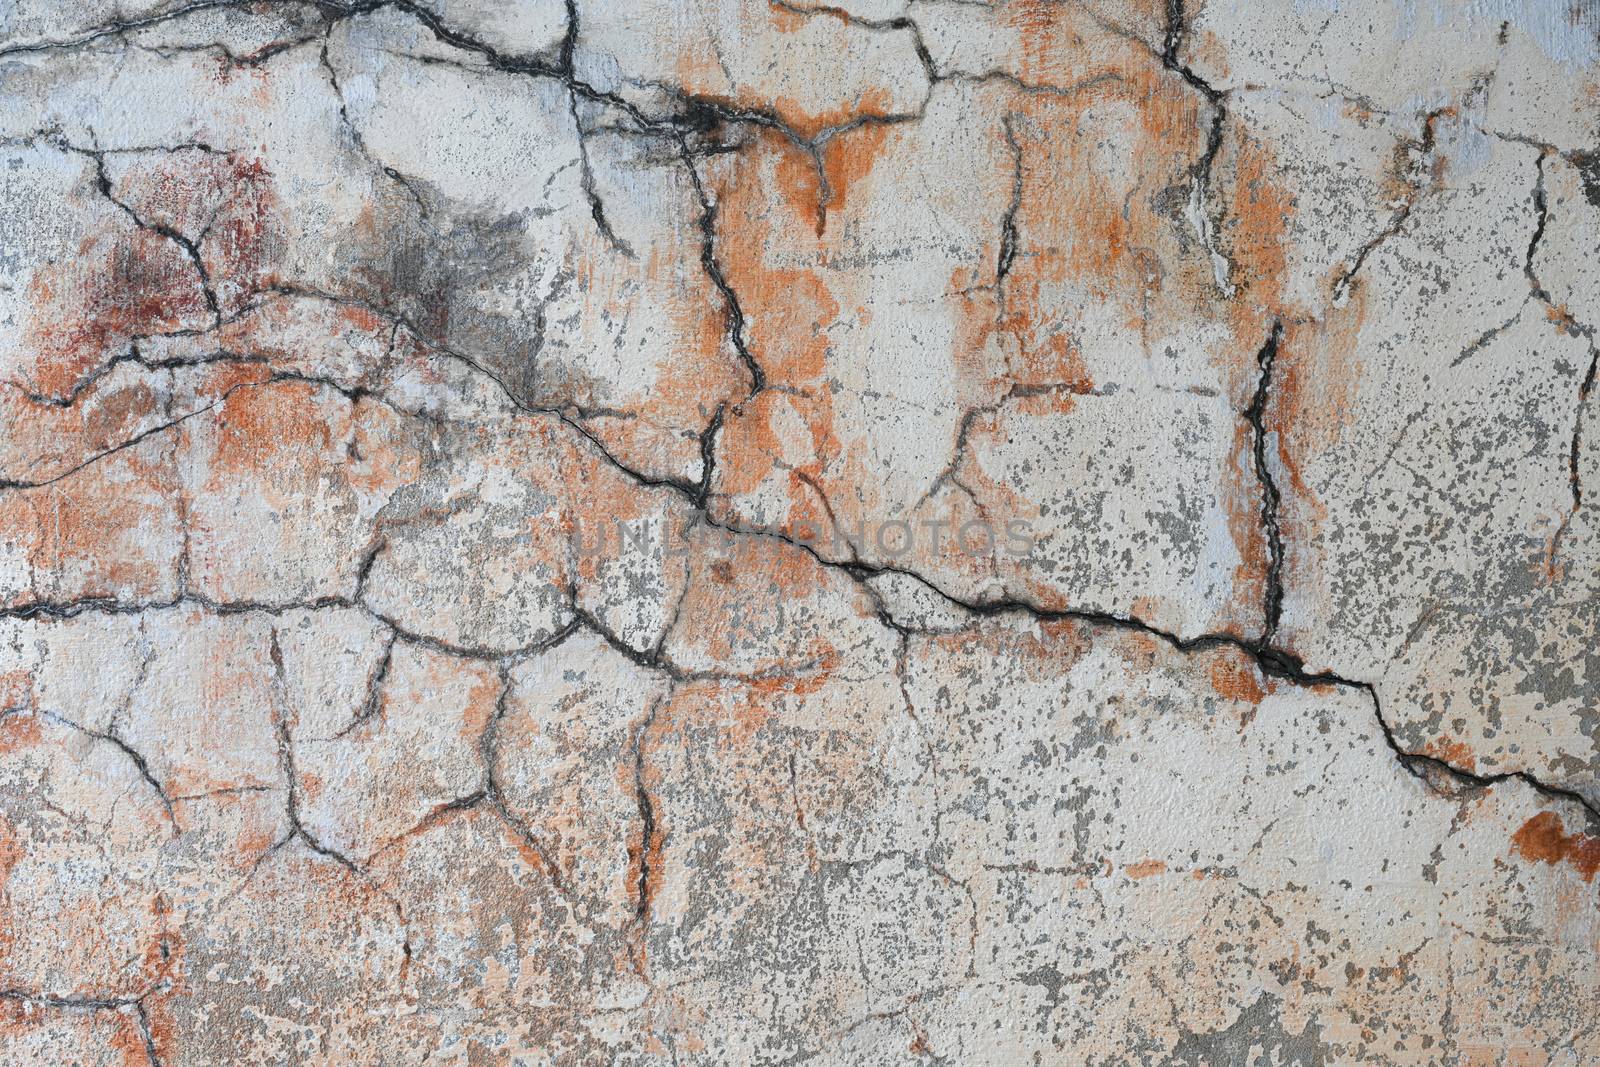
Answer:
(1271, 501)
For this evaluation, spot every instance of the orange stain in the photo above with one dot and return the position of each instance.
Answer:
(1243, 503)
(1542, 839)
(1144, 869)
(1234, 678)
(1455, 753)
(123, 282)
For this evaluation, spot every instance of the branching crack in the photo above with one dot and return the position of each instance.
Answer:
(1200, 171)
(597, 208)
(131, 1005)
(280, 724)
(373, 702)
(140, 764)
(1415, 187)
(700, 115)
(189, 247)
(1273, 662)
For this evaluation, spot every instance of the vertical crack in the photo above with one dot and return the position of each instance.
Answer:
(1541, 207)
(280, 723)
(597, 208)
(1574, 472)
(146, 1032)
(1271, 500)
(1565, 321)
(1008, 221)
(708, 262)
(708, 457)
(355, 134)
(647, 820)
(1584, 389)
(374, 695)
(488, 752)
(649, 841)
(1200, 171)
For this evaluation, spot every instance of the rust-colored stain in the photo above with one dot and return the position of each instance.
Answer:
(1455, 752)
(121, 282)
(1235, 678)
(1542, 839)
(1144, 869)
(738, 531)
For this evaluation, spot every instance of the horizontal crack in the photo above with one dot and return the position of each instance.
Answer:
(1272, 661)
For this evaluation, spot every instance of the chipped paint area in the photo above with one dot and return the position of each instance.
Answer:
(773, 532)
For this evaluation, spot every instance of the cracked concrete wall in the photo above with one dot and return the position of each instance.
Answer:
(761, 532)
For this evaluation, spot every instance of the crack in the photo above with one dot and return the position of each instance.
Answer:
(134, 1005)
(1271, 501)
(1541, 207)
(840, 534)
(234, 60)
(1028, 88)
(434, 816)
(352, 393)
(224, 791)
(280, 722)
(1415, 188)
(708, 262)
(1420, 764)
(597, 208)
(1487, 336)
(70, 609)
(1273, 662)
(650, 840)
(134, 356)
(1200, 172)
(655, 659)
(53, 136)
(708, 458)
(137, 758)
(1574, 469)
(488, 751)
(356, 139)
(147, 1033)
(969, 418)
(68, 1003)
(333, 12)
(658, 650)
(800, 813)
(373, 702)
(899, 23)
(161, 229)
(1566, 322)
(1008, 221)
(473, 652)
(15, 483)
(119, 27)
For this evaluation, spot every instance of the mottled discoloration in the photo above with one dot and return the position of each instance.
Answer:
(777, 532)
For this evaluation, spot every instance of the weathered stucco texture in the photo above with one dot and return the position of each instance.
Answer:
(672, 532)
